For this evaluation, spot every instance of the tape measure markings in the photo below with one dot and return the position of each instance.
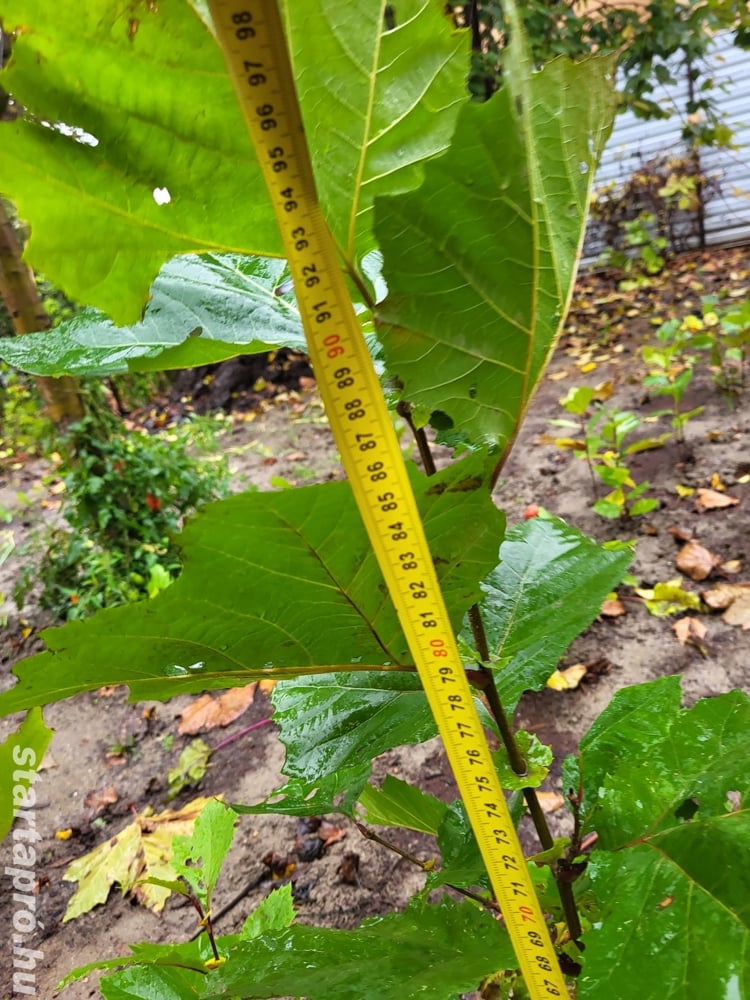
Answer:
(251, 35)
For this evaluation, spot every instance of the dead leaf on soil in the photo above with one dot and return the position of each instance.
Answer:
(668, 598)
(696, 561)
(681, 534)
(612, 608)
(330, 834)
(568, 679)
(683, 491)
(142, 850)
(731, 566)
(734, 600)
(713, 500)
(99, 798)
(738, 612)
(207, 713)
(550, 801)
(690, 630)
(724, 594)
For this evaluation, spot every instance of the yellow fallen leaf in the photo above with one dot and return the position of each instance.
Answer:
(716, 482)
(684, 491)
(590, 367)
(63, 834)
(568, 679)
(142, 850)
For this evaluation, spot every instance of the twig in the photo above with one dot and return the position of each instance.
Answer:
(517, 762)
(253, 884)
(425, 866)
(428, 463)
(242, 732)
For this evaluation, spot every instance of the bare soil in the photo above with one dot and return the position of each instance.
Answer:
(291, 440)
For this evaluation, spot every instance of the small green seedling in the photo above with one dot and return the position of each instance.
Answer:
(603, 445)
(727, 331)
(671, 368)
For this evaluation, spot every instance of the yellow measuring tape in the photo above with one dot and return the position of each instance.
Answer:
(252, 38)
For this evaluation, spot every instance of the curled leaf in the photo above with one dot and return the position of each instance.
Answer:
(713, 500)
(695, 560)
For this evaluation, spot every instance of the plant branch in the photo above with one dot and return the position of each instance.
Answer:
(489, 688)
(518, 763)
(425, 866)
(428, 463)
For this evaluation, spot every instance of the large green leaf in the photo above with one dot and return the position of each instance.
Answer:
(340, 721)
(202, 309)
(635, 720)
(20, 756)
(480, 260)
(426, 951)
(148, 88)
(548, 572)
(377, 103)
(274, 585)
(671, 876)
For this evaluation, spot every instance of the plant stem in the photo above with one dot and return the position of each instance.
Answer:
(242, 732)
(426, 866)
(428, 463)
(517, 762)
(487, 684)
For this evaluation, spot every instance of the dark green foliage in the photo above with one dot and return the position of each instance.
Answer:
(124, 496)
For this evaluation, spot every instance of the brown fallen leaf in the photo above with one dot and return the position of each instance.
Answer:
(689, 630)
(612, 608)
(550, 801)
(724, 594)
(329, 833)
(713, 500)
(349, 868)
(99, 798)
(696, 561)
(681, 534)
(731, 566)
(738, 612)
(207, 713)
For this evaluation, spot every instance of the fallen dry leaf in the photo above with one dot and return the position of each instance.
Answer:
(724, 594)
(330, 834)
(568, 679)
(695, 560)
(141, 850)
(738, 612)
(612, 608)
(731, 566)
(99, 798)
(681, 534)
(207, 713)
(713, 500)
(689, 629)
(550, 801)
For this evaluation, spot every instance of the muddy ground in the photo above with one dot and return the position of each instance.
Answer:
(290, 439)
